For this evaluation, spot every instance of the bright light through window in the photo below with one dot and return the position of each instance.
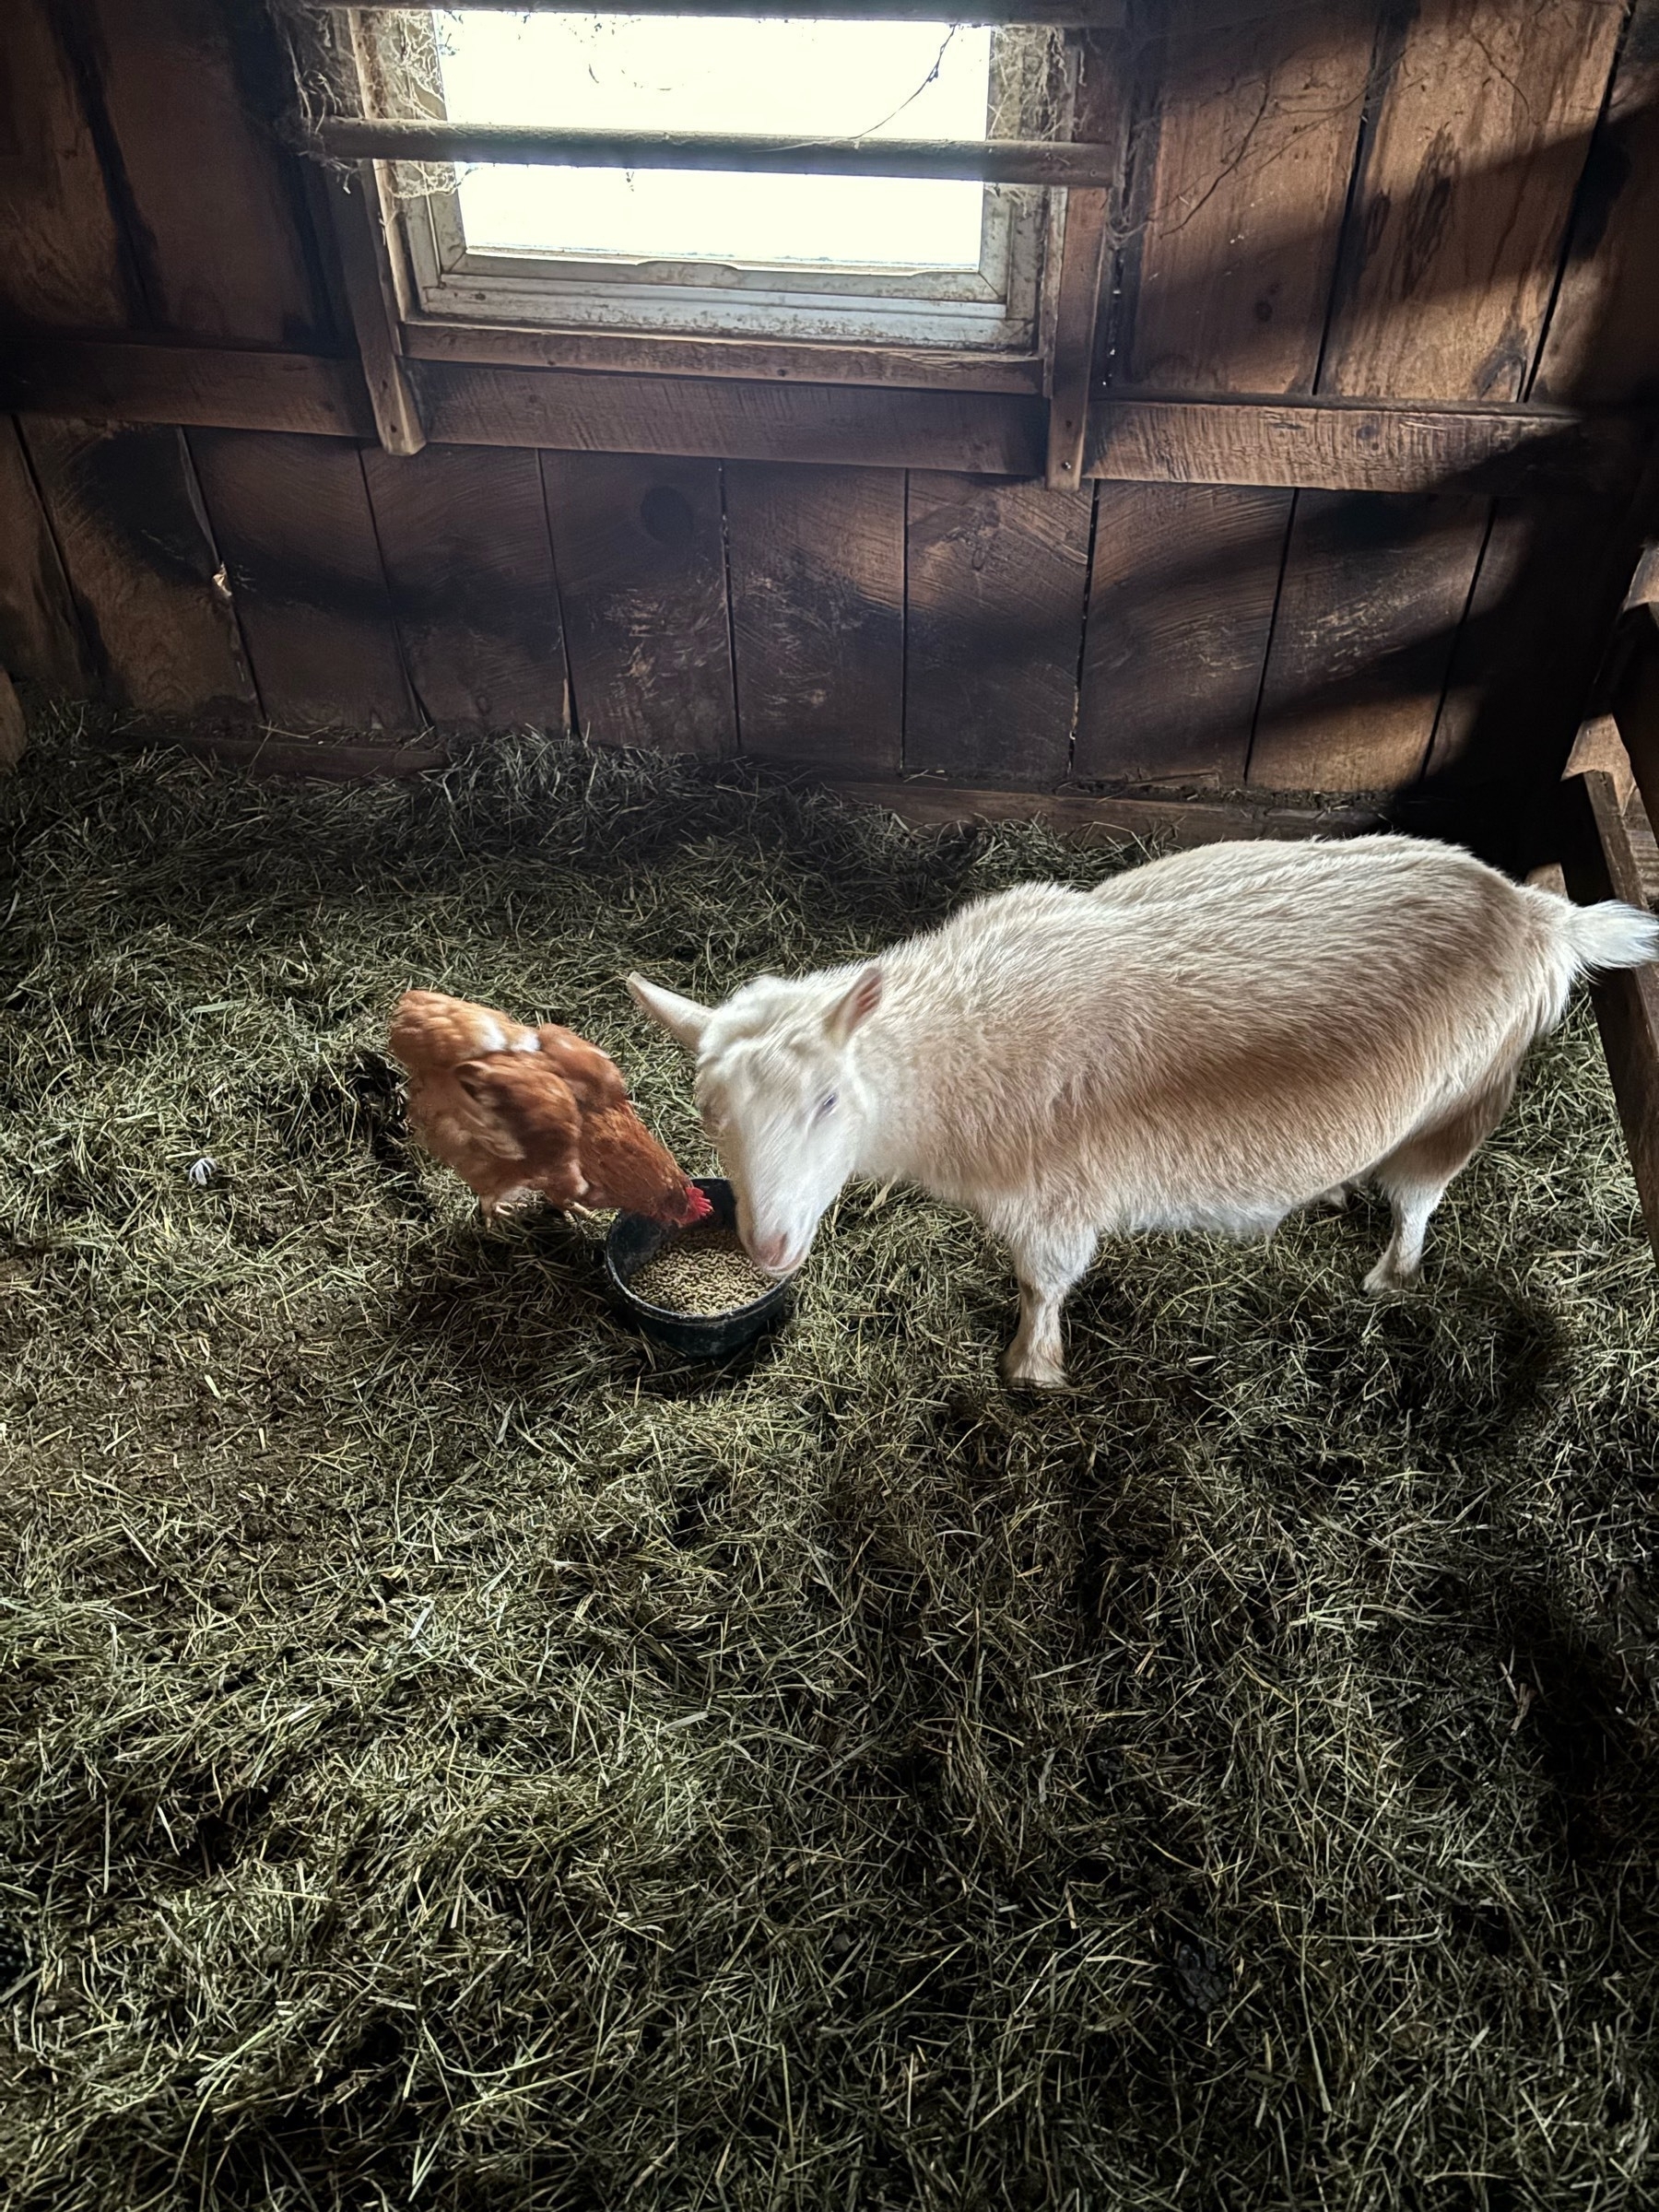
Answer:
(699, 73)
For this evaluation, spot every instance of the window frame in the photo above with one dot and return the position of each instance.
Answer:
(950, 327)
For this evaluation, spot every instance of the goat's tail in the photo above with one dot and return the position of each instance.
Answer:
(1610, 935)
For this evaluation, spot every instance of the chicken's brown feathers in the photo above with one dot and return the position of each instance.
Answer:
(593, 1077)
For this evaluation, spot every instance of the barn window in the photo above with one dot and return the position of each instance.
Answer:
(946, 263)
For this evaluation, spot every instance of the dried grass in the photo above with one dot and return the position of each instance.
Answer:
(456, 1757)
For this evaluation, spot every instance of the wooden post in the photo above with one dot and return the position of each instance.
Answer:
(361, 214)
(1636, 706)
(996, 160)
(1598, 862)
(13, 736)
(1099, 110)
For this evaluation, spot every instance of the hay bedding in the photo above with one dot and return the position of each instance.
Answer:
(456, 1757)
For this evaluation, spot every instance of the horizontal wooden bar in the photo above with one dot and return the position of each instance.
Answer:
(919, 800)
(1137, 439)
(1636, 704)
(1332, 445)
(1085, 814)
(218, 387)
(274, 753)
(1598, 860)
(996, 160)
(795, 362)
(1063, 15)
(985, 432)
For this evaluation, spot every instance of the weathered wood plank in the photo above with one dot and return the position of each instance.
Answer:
(320, 758)
(1463, 196)
(1179, 612)
(1107, 14)
(997, 161)
(1348, 446)
(1602, 347)
(1077, 325)
(637, 543)
(217, 387)
(1636, 706)
(817, 611)
(1373, 594)
(63, 261)
(14, 730)
(572, 411)
(1257, 129)
(215, 216)
(358, 206)
(292, 519)
(464, 539)
(40, 635)
(141, 565)
(1343, 445)
(790, 361)
(927, 803)
(1598, 862)
(1103, 110)
(996, 579)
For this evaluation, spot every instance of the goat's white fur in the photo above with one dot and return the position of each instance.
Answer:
(1209, 1041)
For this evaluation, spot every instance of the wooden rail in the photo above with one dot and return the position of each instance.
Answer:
(994, 161)
(1059, 15)
(1599, 861)
(1312, 445)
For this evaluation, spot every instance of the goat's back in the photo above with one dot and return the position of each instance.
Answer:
(1236, 1024)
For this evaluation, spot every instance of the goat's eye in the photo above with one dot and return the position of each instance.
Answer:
(825, 1104)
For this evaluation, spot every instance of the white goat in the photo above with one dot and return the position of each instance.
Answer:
(1209, 1042)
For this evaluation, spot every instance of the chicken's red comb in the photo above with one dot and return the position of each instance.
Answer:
(697, 1203)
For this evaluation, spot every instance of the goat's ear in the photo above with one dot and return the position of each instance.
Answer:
(682, 1018)
(854, 1007)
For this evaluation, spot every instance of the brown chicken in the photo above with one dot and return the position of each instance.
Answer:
(515, 1109)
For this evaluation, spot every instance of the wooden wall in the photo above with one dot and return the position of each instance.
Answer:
(1365, 438)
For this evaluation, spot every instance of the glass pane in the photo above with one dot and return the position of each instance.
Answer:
(698, 73)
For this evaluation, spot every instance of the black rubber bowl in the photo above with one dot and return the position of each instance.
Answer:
(633, 1240)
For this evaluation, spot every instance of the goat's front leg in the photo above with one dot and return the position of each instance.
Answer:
(1047, 1261)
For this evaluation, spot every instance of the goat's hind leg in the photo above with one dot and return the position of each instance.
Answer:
(1047, 1261)
(1415, 1174)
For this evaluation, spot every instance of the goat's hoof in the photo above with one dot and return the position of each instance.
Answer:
(1386, 1280)
(1336, 1200)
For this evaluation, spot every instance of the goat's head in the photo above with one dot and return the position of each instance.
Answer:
(779, 1090)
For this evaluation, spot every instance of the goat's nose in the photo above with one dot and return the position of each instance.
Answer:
(772, 1252)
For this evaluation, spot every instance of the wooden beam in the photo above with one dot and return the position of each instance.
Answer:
(360, 208)
(1599, 862)
(205, 386)
(569, 411)
(770, 360)
(1320, 445)
(1099, 111)
(996, 160)
(923, 801)
(1080, 814)
(269, 754)
(354, 199)
(1100, 108)
(1636, 706)
(1061, 15)
(1312, 444)
(13, 731)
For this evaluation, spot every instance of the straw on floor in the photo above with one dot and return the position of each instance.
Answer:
(456, 1757)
